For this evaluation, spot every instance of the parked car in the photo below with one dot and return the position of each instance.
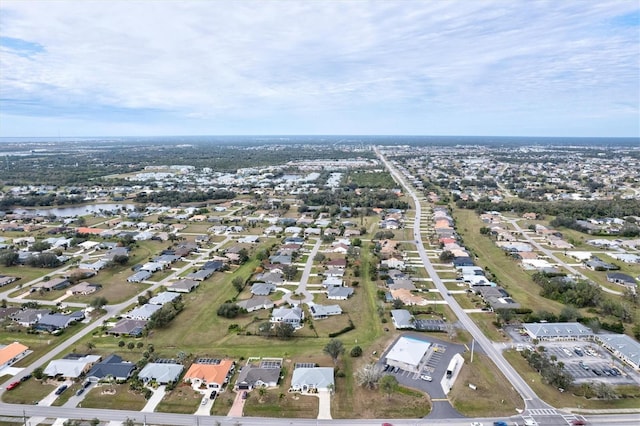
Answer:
(25, 378)
(204, 401)
(213, 395)
(500, 423)
(426, 378)
(61, 389)
(12, 385)
(578, 422)
(396, 369)
(386, 367)
(80, 391)
(244, 395)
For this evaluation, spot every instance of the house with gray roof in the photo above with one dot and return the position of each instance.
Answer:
(128, 327)
(52, 284)
(259, 375)
(143, 312)
(29, 317)
(622, 279)
(161, 373)
(402, 319)
(324, 311)
(255, 303)
(164, 297)
(312, 379)
(184, 286)
(339, 292)
(52, 322)
(262, 289)
(273, 277)
(200, 275)
(71, 367)
(111, 366)
(139, 276)
(293, 316)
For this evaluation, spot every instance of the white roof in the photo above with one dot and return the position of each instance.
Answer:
(320, 377)
(408, 350)
(557, 329)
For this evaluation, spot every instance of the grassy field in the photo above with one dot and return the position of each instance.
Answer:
(183, 399)
(276, 403)
(493, 395)
(122, 399)
(562, 399)
(29, 392)
(508, 273)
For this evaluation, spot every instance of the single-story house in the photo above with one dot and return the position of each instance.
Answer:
(139, 276)
(324, 311)
(11, 353)
(143, 312)
(29, 317)
(293, 316)
(264, 374)
(402, 319)
(200, 275)
(213, 374)
(52, 322)
(84, 288)
(184, 286)
(128, 327)
(161, 373)
(312, 379)
(164, 297)
(71, 367)
(255, 303)
(52, 284)
(262, 289)
(111, 366)
(339, 292)
(622, 279)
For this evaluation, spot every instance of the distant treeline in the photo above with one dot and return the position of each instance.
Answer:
(568, 209)
(175, 198)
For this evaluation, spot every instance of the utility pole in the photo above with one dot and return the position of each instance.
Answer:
(473, 341)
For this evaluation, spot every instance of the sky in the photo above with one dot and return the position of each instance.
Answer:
(481, 67)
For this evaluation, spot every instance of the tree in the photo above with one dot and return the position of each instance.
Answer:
(334, 349)
(139, 345)
(446, 257)
(98, 302)
(388, 384)
(229, 310)
(243, 255)
(356, 351)
(121, 343)
(283, 330)
(368, 375)
(238, 283)
(8, 257)
(289, 272)
(397, 303)
(131, 345)
(90, 346)
(38, 373)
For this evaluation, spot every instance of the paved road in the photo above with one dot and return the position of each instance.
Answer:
(530, 398)
(302, 286)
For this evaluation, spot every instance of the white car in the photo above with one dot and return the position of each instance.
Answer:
(426, 378)
(476, 424)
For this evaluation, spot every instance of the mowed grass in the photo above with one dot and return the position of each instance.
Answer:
(493, 395)
(183, 400)
(510, 275)
(123, 399)
(276, 403)
(28, 392)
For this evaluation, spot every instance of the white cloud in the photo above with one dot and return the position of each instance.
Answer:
(255, 58)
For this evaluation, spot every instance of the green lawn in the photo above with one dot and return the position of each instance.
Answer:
(28, 392)
(122, 399)
(183, 399)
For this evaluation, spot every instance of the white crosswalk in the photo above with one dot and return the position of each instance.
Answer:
(542, 412)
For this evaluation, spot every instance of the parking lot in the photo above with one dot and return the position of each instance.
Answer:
(437, 360)
(587, 362)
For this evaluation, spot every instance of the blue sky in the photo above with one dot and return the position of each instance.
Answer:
(506, 67)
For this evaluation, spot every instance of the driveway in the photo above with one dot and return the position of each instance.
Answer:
(324, 407)
(237, 409)
(155, 399)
